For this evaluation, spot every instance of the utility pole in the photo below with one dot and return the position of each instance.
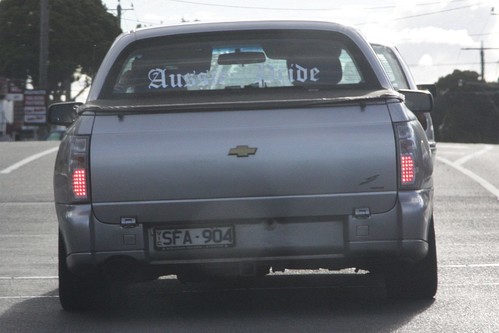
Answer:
(44, 44)
(482, 57)
(119, 9)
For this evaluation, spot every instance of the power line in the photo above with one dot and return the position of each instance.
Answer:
(382, 7)
(210, 4)
(119, 10)
(483, 34)
(423, 14)
(482, 56)
(453, 64)
(433, 3)
(433, 13)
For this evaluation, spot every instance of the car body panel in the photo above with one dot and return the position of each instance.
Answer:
(205, 139)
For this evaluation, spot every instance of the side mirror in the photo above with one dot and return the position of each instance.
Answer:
(430, 87)
(418, 100)
(62, 113)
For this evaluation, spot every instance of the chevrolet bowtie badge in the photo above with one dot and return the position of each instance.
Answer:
(242, 151)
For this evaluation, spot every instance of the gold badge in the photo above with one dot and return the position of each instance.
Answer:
(242, 151)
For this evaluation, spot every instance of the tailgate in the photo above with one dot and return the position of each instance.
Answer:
(175, 166)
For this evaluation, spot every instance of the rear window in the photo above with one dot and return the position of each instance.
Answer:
(238, 64)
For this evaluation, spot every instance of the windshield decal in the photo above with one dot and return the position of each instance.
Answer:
(263, 74)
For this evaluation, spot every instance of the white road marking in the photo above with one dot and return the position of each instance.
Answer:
(468, 266)
(171, 277)
(493, 284)
(488, 284)
(17, 278)
(27, 297)
(466, 158)
(449, 145)
(28, 277)
(484, 183)
(28, 160)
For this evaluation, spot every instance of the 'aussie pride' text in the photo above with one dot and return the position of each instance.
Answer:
(162, 79)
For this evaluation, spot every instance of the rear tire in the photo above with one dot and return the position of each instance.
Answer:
(78, 293)
(418, 280)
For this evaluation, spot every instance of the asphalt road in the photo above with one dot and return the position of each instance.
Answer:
(466, 217)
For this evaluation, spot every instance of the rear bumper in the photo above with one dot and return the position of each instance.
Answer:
(322, 241)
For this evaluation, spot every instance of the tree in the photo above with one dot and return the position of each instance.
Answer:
(456, 79)
(80, 34)
(466, 110)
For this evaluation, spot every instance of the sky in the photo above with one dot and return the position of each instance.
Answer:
(433, 36)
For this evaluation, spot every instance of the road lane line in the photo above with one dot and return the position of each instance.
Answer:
(466, 158)
(28, 277)
(485, 284)
(485, 184)
(27, 297)
(28, 160)
(24, 203)
(449, 145)
(468, 265)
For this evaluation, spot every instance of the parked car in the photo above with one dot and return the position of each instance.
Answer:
(401, 77)
(231, 149)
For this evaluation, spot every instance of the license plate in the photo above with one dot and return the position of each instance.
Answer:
(182, 238)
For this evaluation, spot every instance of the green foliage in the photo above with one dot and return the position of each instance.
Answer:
(456, 79)
(466, 110)
(80, 34)
(19, 37)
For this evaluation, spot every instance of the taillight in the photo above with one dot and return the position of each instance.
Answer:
(80, 183)
(407, 153)
(78, 167)
(407, 172)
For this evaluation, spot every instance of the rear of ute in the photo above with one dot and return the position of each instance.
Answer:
(335, 173)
